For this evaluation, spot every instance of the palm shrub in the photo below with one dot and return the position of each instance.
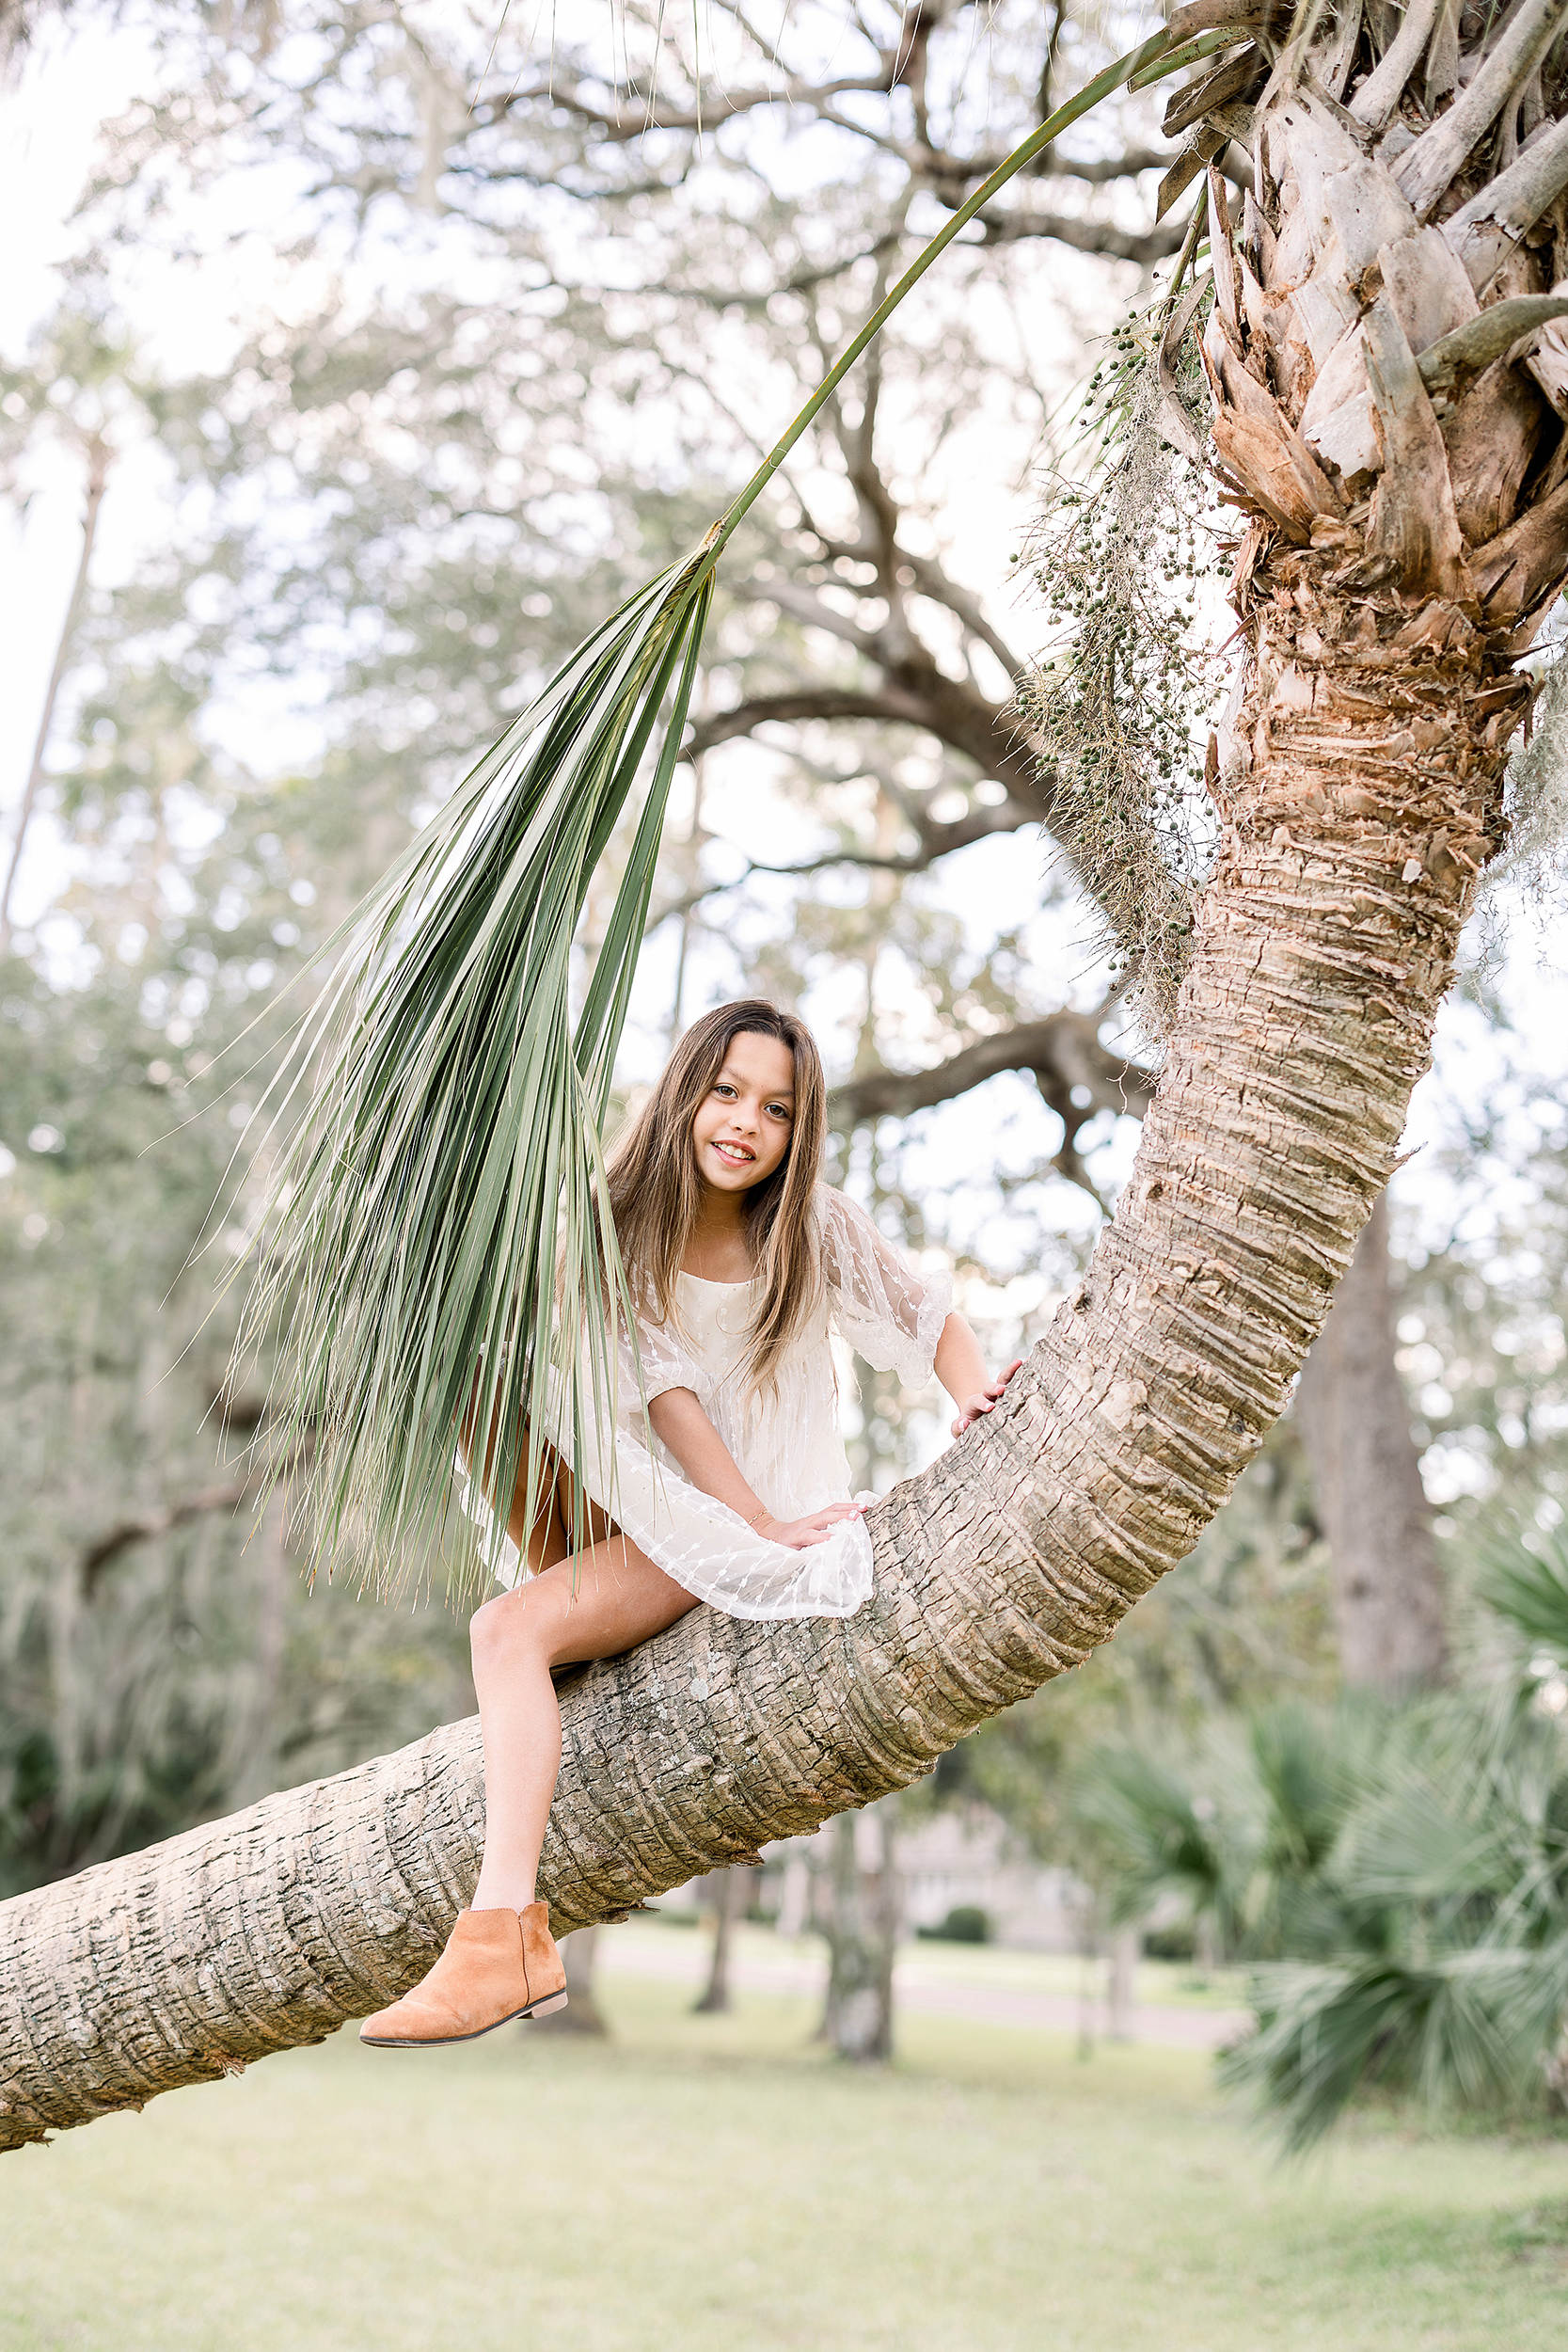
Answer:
(1398, 1879)
(1449, 1874)
(1151, 1837)
(1236, 1838)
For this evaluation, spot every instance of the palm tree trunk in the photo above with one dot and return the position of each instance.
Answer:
(1367, 1478)
(1361, 790)
(1303, 1025)
(1405, 471)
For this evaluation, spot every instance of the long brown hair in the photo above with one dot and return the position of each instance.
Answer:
(656, 1192)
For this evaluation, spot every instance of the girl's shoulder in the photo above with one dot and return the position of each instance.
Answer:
(845, 1232)
(834, 1211)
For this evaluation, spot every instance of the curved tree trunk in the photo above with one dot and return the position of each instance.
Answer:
(1366, 1477)
(1273, 1131)
(1361, 792)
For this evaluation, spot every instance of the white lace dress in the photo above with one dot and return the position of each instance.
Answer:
(785, 1442)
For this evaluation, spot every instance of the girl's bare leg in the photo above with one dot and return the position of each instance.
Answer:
(622, 1599)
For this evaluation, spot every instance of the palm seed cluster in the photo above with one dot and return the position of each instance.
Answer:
(1120, 707)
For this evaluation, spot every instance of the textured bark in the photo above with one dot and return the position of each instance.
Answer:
(1355, 1427)
(1394, 595)
(1360, 793)
(1302, 1026)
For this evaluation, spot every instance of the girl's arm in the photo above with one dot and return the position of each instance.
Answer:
(679, 1421)
(961, 1369)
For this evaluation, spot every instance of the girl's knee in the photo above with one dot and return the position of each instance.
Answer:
(498, 1628)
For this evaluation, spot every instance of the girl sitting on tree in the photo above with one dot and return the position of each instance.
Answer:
(726, 1469)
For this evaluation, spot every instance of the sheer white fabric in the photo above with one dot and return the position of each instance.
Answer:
(786, 1442)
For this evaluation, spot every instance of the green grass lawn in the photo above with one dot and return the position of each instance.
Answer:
(715, 2184)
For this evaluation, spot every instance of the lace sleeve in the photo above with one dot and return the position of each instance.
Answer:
(889, 1313)
(665, 1364)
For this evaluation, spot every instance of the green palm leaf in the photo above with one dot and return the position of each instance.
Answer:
(1529, 1588)
(450, 1139)
(436, 1248)
(1323, 2034)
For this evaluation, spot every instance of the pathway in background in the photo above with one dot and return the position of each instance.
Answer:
(990, 1987)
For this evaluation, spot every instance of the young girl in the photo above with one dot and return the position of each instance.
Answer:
(732, 1487)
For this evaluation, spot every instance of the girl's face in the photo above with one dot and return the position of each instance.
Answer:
(742, 1129)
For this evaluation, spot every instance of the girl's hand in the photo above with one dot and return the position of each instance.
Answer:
(985, 1401)
(815, 1528)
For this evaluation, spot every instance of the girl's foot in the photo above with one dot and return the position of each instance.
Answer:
(497, 1965)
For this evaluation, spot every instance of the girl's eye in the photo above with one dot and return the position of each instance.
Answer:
(778, 1110)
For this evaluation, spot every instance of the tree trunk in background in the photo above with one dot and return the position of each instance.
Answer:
(252, 1733)
(731, 1891)
(1355, 1427)
(863, 1934)
(98, 476)
(1121, 1983)
(583, 2014)
(795, 1896)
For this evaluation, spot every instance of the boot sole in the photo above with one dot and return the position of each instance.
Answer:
(546, 2007)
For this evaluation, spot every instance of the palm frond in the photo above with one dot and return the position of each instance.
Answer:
(1155, 1837)
(1529, 1588)
(437, 1257)
(1418, 1842)
(1303, 1769)
(1448, 2030)
(452, 1133)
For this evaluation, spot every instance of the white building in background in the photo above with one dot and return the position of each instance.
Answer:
(958, 1858)
(965, 1857)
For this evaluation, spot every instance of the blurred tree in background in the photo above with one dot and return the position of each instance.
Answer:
(162, 1658)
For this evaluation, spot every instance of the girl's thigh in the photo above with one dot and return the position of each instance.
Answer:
(604, 1602)
(560, 1518)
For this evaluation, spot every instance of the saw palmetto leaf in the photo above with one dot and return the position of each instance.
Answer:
(452, 1127)
(1527, 1587)
(435, 1256)
(1436, 2027)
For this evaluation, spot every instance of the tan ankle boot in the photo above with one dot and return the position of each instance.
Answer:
(497, 1965)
